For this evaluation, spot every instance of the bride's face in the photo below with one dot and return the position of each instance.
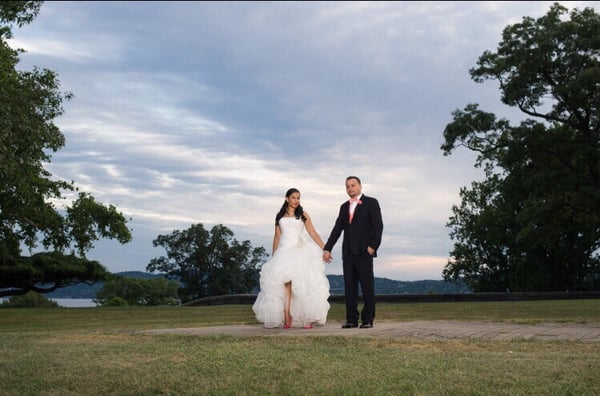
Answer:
(293, 200)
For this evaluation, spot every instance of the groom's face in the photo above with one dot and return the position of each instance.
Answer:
(353, 188)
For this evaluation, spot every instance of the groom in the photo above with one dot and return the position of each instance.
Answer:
(360, 220)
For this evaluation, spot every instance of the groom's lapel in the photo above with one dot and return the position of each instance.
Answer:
(362, 199)
(356, 210)
(346, 209)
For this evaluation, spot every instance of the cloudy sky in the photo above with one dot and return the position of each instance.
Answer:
(202, 112)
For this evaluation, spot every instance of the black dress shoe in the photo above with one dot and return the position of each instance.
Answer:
(349, 325)
(366, 325)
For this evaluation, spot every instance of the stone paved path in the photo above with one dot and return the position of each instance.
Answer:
(427, 330)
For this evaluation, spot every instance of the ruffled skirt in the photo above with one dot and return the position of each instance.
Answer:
(304, 267)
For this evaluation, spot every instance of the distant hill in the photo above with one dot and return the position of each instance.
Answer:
(389, 286)
(336, 282)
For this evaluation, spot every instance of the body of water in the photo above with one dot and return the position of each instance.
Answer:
(68, 302)
(74, 302)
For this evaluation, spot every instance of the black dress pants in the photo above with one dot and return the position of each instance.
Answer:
(358, 270)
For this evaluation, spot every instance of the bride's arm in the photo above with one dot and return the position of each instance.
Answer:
(276, 238)
(312, 232)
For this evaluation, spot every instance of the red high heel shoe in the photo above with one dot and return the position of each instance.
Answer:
(308, 326)
(288, 325)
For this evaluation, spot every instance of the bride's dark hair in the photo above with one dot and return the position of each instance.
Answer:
(298, 212)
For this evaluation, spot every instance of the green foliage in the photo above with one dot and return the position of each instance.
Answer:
(32, 203)
(208, 263)
(532, 224)
(19, 12)
(45, 272)
(132, 291)
(29, 300)
(88, 221)
(116, 302)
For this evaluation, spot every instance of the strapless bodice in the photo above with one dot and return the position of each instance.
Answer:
(292, 232)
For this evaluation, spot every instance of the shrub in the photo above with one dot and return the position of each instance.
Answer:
(29, 300)
(116, 302)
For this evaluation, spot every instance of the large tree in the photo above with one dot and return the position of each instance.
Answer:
(208, 263)
(34, 211)
(533, 223)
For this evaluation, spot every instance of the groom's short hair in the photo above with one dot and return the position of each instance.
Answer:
(354, 177)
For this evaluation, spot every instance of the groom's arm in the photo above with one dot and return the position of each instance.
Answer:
(376, 224)
(335, 233)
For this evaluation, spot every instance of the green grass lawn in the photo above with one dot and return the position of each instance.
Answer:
(98, 351)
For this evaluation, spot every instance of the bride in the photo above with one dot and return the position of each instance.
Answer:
(293, 286)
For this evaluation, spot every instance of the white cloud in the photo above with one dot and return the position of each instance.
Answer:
(53, 48)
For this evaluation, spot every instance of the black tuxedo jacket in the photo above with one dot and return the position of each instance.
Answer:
(364, 231)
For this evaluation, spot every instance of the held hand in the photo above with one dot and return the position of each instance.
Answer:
(327, 256)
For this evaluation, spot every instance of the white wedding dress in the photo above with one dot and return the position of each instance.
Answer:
(297, 259)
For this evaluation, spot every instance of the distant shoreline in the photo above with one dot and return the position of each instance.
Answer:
(67, 302)
(74, 302)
